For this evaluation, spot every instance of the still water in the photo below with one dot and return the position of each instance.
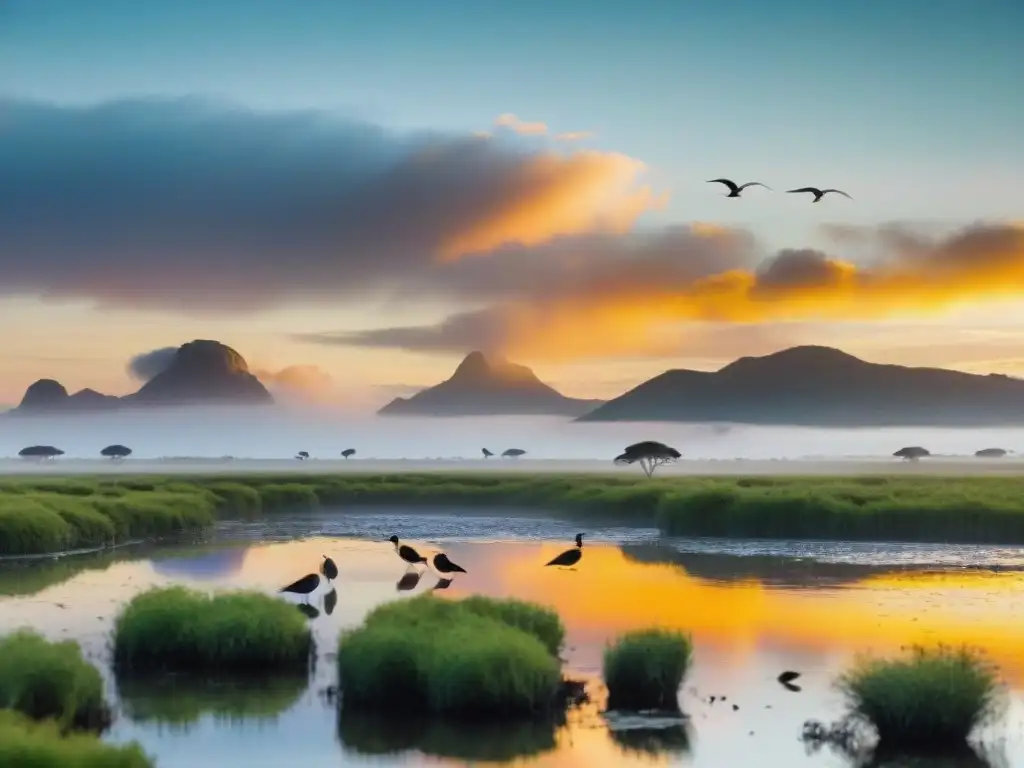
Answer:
(754, 610)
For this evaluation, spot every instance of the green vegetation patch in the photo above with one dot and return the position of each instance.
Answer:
(476, 658)
(27, 744)
(926, 699)
(644, 669)
(51, 681)
(54, 514)
(178, 629)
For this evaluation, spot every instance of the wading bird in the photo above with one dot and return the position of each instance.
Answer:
(735, 189)
(570, 556)
(407, 553)
(444, 566)
(818, 193)
(303, 586)
(329, 569)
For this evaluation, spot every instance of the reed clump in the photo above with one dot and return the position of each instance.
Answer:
(645, 668)
(28, 744)
(184, 630)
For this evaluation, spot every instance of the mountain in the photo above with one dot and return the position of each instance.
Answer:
(821, 387)
(201, 372)
(488, 387)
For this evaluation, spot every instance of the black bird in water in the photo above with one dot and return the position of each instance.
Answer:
(409, 581)
(445, 566)
(303, 586)
(329, 568)
(330, 601)
(570, 556)
(735, 189)
(818, 193)
(407, 553)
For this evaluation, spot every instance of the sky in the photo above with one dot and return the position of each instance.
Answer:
(354, 196)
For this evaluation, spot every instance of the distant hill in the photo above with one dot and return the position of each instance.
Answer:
(488, 387)
(202, 371)
(821, 386)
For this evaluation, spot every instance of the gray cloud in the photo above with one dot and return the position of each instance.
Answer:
(145, 365)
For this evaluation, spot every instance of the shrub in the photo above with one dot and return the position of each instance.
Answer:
(179, 629)
(929, 698)
(448, 658)
(45, 680)
(291, 497)
(644, 669)
(25, 744)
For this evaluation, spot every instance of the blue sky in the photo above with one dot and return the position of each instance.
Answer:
(913, 106)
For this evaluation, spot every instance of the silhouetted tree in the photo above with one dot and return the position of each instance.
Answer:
(302, 455)
(912, 453)
(991, 453)
(116, 451)
(513, 453)
(40, 452)
(487, 454)
(348, 452)
(649, 455)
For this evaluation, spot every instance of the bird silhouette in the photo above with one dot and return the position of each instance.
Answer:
(329, 568)
(303, 586)
(330, 601)
(409, 581)
(445, 566)
(407, 553)
(818, 193)
(735, 189)
(570, 556)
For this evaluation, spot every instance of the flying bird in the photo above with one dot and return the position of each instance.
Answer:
(303, 586)
(819, 193)
(570, 556)
(407, 553)
(445, 566)
(735, 189)
(329, 568)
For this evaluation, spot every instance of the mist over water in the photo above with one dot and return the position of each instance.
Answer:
(280, 432)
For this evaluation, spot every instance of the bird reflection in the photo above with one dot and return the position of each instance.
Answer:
(330, 601)
(409, 581)
(309, 611)
(441, 584)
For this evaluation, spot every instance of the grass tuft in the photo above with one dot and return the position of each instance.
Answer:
(927, 699)
(27, 744)
(51, 681)
(644, 669)
(183, 630)
(451, 658)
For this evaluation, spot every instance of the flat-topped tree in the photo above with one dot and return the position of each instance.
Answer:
(116, 451)
(40, 452)
(302, 455)
(649, 455)
(513, 453)
(912, 453)
(487, 454)
(991, 453)
(348, 453)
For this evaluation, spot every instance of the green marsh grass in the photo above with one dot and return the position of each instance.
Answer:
(51, 681)
(452, 658)
(177, 629)
(927, 699)
(644, 669)
(28, 744)
(54, 514)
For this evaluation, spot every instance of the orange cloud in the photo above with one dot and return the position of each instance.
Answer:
(574, 135)
(513, 123)
(583, 192)
(303, 382)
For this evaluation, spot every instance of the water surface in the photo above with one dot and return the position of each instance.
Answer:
(754, 609)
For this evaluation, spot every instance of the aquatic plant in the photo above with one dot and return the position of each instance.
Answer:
(180, 629)
(51, 514)
(449, 658)
(24, 743)
(929, 698)
(45, 680)
(644, 669)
